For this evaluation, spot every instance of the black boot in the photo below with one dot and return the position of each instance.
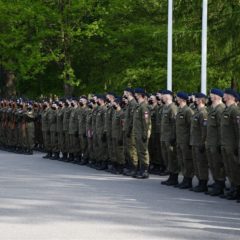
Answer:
(143, 173)
(70, 158)
(186, 184)
(202, 186)
(49, 154)
(168, 180)
(217, 189)
(64, 157)
(132, 172)
(174, 180)
(55, 156)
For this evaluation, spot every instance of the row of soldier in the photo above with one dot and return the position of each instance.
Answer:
(136, 134)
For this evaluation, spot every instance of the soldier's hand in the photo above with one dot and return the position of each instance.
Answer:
(104, 137)
(201, 148)
(120, 142)
(219, 149)
(235, 152)
(144, 139)
(173, 141)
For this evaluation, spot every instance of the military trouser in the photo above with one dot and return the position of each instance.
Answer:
(200, 163)
(94, 147)
(60, 142)
(141, 154)
(169, 157)
(118, 151)
(215, 162)
(111, 155)
(131, 151)
(47, 141)
(231, 164)
(90, 147)
(30, 135)
(84, 145)
(37, 133)
(102, 154)
(155, 149)
(23, 135)
(74, 145)
(53, 141)
(125, 149)
(185, 162)
(66, 145)
(13, 141)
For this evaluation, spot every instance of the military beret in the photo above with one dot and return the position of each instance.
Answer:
(139, 90)
(129, 90)
(165, 92)
(182, 95)
(111, 93)
(200, 95)
(217, 91)
(101, 96)
(118, 100)
(232, 92)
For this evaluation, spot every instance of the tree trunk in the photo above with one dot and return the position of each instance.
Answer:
(9, 84)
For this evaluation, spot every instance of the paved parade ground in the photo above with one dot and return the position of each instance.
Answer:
(45, 199)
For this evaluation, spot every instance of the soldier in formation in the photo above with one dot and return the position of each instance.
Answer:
(189, 135)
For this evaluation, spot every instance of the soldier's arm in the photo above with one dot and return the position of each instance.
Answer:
(146, 118)
(203, 124)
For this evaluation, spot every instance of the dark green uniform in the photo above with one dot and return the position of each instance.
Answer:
(117, 137)
(183, 125)
(82, 125)
(101, 153)
(107, 130)
(141, 132)
(66, 117)
(128, 126)
(213, 145)
(74, 145)
(197, 141)
(89, 132)
(154, 141)
(52, 121)
(229, 143)
(46, 130)
(168, 138)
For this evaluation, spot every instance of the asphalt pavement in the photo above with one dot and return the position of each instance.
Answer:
(42, 199)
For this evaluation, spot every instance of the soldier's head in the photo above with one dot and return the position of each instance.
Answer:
(140, 94)
(152, 100)
(54, 106)
(216, 95)
(101, 100)
(74, 103)
(129, 93)
(117, 103)
(201, 99)
(45, 104)
(167, 96)
(110, 97)
(83, 101)
(230, 96)
(182, 98)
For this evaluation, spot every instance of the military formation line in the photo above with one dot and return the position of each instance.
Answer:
(135, 134)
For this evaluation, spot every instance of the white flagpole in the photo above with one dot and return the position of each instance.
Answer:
(204, 47)
(169, 59)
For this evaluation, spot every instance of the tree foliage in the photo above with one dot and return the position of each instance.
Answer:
(75, 47)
